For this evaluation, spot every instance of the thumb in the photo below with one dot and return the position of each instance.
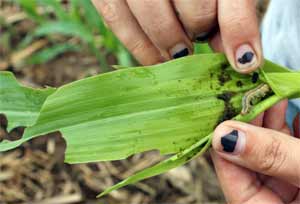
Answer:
(262, 150)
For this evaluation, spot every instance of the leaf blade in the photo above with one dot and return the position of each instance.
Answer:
(164, 110)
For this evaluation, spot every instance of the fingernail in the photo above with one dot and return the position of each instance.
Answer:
(179, 50)
(203, 37)
(245, 57)
(232, 142)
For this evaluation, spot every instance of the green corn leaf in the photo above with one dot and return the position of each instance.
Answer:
(202, 48)
(50, 53)
(68, 28)
(160, 107)
(284, 83)
(124, 57)
(193, 151)
(177, 160)
(171, 107)
(73, 28)
(90, 15)
(74, 10)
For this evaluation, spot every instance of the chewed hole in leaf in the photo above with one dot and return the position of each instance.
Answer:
(13, 135)
(50, 143)
(44, 143)
(3, 125)
(3, 121)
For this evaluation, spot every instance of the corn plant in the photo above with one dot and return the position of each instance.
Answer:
(77, 19)
(171, 107)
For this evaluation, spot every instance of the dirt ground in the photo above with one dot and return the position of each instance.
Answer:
(36, 172)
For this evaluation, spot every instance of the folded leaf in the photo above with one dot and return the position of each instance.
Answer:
(173, 162)
(285, 83)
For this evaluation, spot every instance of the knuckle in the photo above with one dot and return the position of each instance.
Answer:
(204, 14)
(204, 20)
(235, 24)
(158, 31)
(108, 9)
(138, 47)
(163, 26)
(272, 157)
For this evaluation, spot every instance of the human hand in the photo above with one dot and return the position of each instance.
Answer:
(264, 166)
(155, 31)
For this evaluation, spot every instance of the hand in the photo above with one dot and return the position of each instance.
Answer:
(274, 155)
(155, 31)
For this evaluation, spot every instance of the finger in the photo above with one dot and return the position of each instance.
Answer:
(240, 34)
(286, 130)
(297, 199)
(284, 190)
(240, 185)
(278, 111)
(118, 17)
(216, 42)
(258, 121)
(297, 126)
(197, 17)
(262, 150)
(159, 22)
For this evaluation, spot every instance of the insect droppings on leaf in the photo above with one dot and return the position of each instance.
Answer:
(255, 77)
(229, 111)
(224, 66)
(224, 76)
(226, 96)
(239, 83)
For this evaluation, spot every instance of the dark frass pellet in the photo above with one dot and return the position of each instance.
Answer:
(181, 53)
(255, 77)
(239, 83)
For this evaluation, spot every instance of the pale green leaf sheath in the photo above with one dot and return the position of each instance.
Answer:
(171, 107)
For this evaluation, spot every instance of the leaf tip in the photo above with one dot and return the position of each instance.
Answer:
(101, 194)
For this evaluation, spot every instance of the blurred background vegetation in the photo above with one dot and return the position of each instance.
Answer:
(54, 42)
(37, 32)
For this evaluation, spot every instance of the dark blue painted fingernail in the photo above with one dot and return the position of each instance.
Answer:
(229, 141)
(255, 77)
(181, 53)
(203, 37)
(245, 57)
(179, 50)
